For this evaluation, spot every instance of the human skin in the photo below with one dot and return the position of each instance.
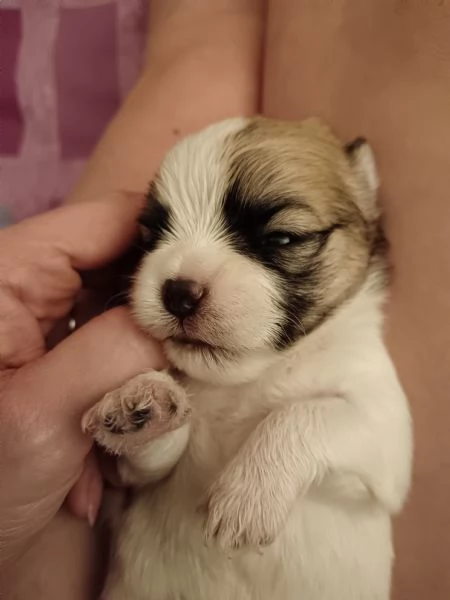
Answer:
(381, 69)
(202, 65)
(44, 394)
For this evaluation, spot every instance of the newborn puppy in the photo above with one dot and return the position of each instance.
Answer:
(267, 464)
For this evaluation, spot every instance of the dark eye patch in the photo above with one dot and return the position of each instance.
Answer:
(247, 220)
(155, 220)
(245, 216)
(297, 262)
(248, 226)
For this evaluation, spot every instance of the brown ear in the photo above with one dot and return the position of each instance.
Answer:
(362, 162)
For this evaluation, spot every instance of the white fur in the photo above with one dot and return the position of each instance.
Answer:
(241, 311)
(156, 460)
(295, 461)
(315, 455)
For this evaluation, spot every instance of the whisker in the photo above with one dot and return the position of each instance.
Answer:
(110, 303)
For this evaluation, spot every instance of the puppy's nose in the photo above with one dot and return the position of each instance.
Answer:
(181, 297)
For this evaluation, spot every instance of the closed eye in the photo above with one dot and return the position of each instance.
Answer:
(276, 239)
(145, 233)
(283, 239)
(154, 221)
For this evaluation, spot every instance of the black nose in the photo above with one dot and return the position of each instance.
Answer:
(181, 297)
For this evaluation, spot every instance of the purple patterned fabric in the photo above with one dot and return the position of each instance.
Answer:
(86, 58)
(11, 121)
(65, 67)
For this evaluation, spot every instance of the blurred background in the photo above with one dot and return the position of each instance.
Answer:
(65, 67)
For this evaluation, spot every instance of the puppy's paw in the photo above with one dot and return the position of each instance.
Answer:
(240, 513)
(144, 408)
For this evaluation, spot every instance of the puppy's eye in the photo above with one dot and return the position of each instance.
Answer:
(145, 233)
(277, 239)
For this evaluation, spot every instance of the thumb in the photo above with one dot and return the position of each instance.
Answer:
(90, 233)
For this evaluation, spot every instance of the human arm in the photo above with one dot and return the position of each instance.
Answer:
(202, 65)
(43, 395)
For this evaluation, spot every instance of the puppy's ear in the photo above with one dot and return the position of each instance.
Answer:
(363, 165)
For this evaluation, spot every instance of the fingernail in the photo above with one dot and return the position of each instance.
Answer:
(92, 514)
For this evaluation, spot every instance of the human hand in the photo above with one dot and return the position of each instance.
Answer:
(43, 395)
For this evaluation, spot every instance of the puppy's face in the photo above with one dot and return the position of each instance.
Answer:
(257, 230)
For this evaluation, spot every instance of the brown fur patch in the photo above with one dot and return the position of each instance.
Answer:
(305, 168)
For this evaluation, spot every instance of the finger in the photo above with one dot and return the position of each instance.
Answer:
(91, 233)
(21, 339)
(53, 392)
(97, 358)
(87, 305)
(116, 276)
(85, 497)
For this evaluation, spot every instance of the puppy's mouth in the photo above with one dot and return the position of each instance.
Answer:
(206, 350)
(192, 343)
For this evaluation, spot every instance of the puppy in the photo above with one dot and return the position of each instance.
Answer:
(267, 463)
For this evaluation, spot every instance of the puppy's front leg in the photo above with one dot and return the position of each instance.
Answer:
(288, 452)
(145, 424)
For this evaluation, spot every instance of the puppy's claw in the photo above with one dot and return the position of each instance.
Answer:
(144, 408)
(241, 515)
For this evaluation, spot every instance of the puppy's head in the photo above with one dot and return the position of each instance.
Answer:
(256, 230)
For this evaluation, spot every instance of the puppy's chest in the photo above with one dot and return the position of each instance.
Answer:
(223, 418)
